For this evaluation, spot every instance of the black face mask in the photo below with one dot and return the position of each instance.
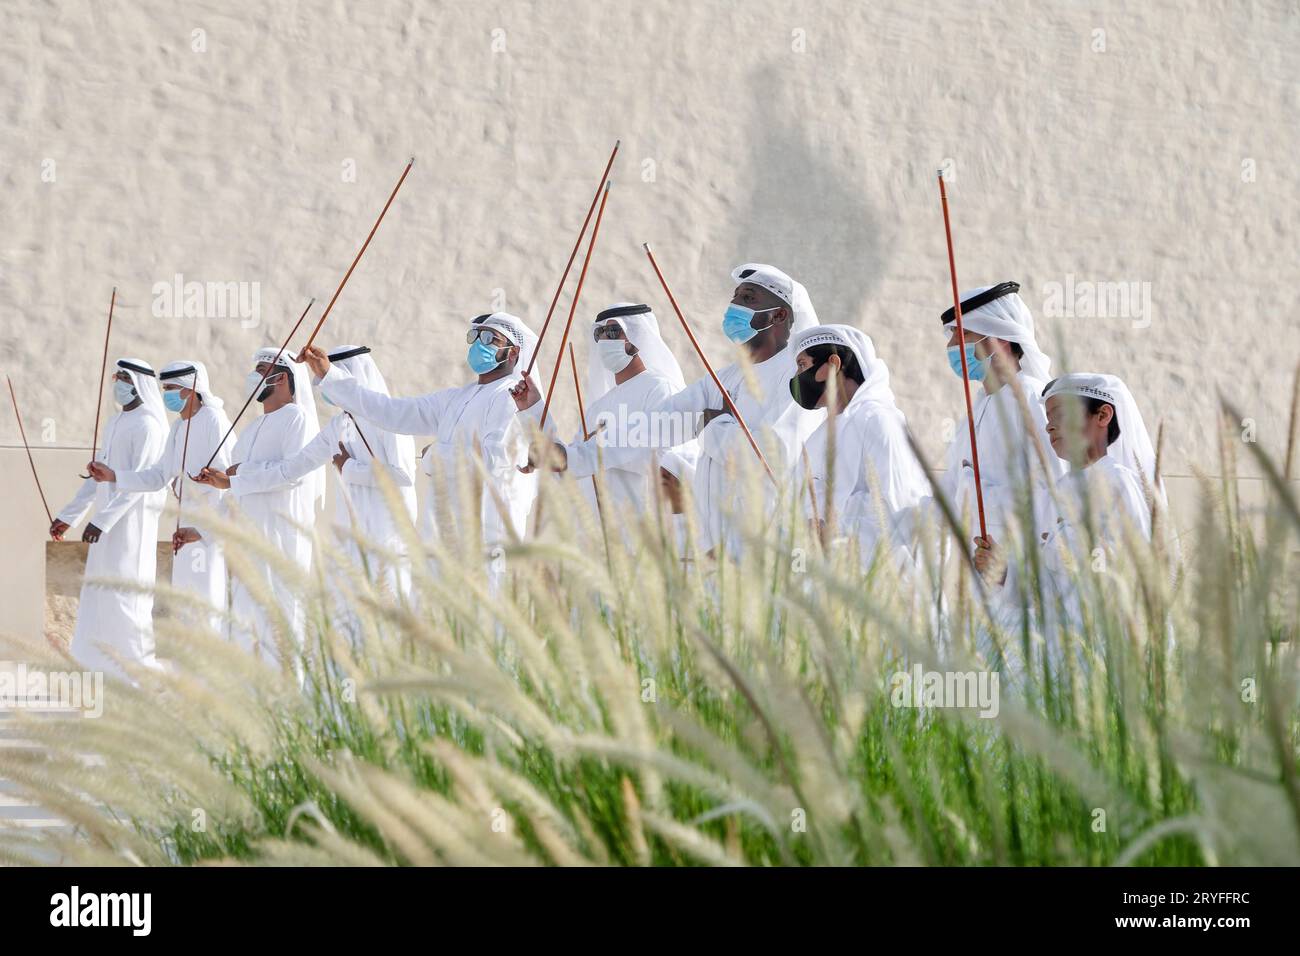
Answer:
(806, 390)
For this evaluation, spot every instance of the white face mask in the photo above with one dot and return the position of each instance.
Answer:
(613, 354)
(253, 378)
(123, 393)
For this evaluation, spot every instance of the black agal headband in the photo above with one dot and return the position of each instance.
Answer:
(349, 353)
(620, 311)
(982, 298)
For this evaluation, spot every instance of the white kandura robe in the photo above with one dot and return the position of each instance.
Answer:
(200, 567)
(1111, 495)
(875, 470)
(464, 421)
(110, 620)
(361, 502)
(276, 509)
(779, 425)
(1005, 452)
(623, 447)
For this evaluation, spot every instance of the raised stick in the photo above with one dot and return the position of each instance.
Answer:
(347, 275)
(726, 397)
(961, 346)
(573, 306)
(582, 418)
(103, 369)
(248, 401)
(31, 461)
(604, 179)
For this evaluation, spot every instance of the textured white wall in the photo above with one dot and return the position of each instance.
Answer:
(806, 135)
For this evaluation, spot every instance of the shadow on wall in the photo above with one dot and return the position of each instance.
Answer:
(805, 214)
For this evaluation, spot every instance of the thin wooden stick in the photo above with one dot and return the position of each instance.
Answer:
(726, 397)
(361, 252)
(582, 418)
(103, 370)
(573, 306)
(31, 461)
(248, 401)
(360, 433)
(961, 346)
(185, 447)
(604, 179)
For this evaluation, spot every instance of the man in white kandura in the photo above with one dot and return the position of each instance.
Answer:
(478, 421)
(199, 565)
(283, 511)
(766, 308)
(869, 491)
(1105, 502)
(115, 625)
(359, 449)
(1003, 356)
(629, 372)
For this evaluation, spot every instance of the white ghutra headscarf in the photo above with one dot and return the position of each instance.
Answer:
(1133, 448)
(513, 328)
(786, 289)
(191, 374)
(357, 362)
(875, 385)
(145, 382)
(642, 330)
(999, 312)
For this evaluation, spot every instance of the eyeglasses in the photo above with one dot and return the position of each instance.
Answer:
(486, 336)
(611, 330)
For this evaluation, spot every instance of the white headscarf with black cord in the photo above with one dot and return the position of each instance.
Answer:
(642, 330)
(357, 362)
(193, 375)
(999, 312)
(145, 382)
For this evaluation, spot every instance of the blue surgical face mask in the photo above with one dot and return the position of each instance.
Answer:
(977, 367)
(172, 399)
(123, 393)
(738, 323)
(482, 358)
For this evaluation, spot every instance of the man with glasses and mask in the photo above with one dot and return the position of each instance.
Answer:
(473, 421)
(629, 372)
(284, 510)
